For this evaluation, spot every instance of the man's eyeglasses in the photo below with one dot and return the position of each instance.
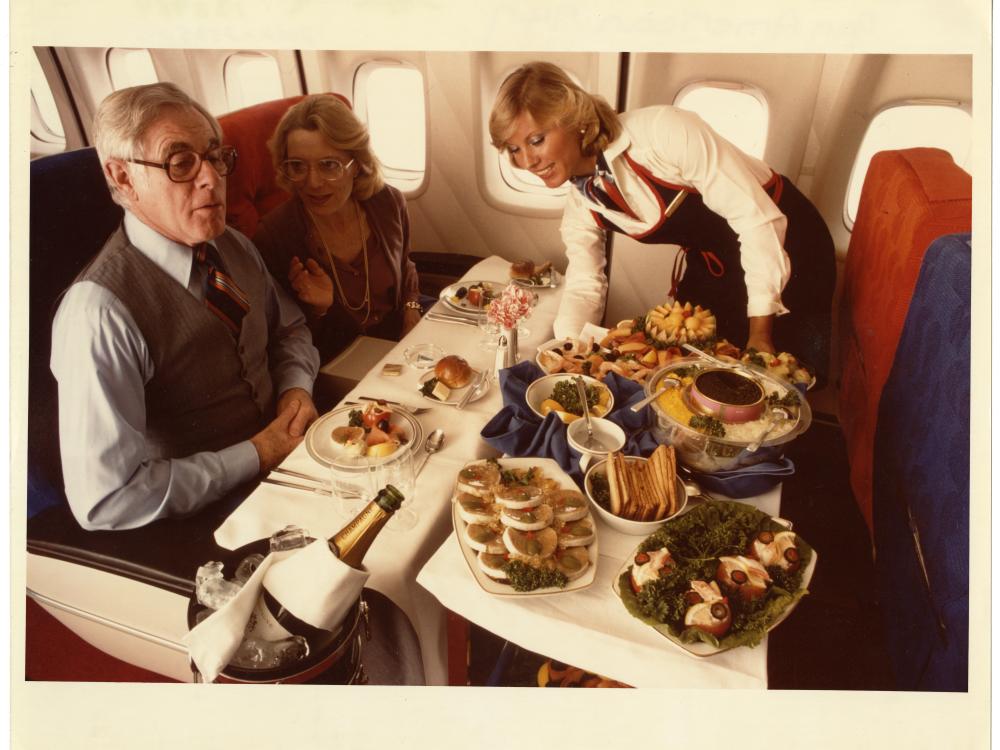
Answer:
(185, 165)
(330, 170)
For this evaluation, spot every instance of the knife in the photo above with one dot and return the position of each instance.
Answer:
(437, 318)
(473, 390)
(409, 407)
(293, 485)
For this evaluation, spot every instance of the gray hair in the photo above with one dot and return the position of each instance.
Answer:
(124, 116)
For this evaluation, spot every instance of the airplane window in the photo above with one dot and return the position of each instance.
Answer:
(389, 97)
(45, 123)
(251, 78)
(130, 67)
(738, 113)
(941, 126)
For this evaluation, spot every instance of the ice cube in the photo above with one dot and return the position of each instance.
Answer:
(216, 592)
(254, 653)
(247, 567)
(208, 570)
(290, 537)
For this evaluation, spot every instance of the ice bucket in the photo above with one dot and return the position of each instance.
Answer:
(338, 655)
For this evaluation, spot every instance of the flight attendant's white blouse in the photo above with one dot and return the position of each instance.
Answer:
(678, 147)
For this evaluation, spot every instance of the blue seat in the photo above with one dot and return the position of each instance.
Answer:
(921, 479)
(72, 215)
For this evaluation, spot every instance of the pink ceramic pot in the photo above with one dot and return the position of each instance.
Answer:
(727, 395)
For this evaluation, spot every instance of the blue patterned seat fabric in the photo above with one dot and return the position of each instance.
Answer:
(921, 486)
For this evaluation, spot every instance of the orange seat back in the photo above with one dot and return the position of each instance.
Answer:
(251, 189)
(909, 198)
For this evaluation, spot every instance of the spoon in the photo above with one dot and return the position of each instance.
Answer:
(432, 444)
(774, 416)
(664, 384)
(591, 443)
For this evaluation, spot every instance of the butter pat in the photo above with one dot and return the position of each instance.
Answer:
(441, 391)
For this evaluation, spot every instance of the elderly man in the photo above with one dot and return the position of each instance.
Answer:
(183, 368)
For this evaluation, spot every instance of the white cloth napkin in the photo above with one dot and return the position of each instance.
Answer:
(310, 582)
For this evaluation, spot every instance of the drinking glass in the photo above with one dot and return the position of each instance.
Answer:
(396, 470)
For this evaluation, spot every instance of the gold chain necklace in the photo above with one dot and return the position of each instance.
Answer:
(367, 301)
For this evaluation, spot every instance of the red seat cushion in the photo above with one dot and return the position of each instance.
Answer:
(910, 198)
(251, 189)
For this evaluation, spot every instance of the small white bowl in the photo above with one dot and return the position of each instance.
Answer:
(624, 525)
(541, 389)
(611, 436)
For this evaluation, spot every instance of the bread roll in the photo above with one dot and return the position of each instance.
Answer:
(453, 371)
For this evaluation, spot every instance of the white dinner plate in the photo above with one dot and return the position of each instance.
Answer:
(700, 648)
(322, 449)
(553, 471)
(462, 305)
(456, 393)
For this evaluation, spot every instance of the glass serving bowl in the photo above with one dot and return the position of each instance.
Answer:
(708, 453)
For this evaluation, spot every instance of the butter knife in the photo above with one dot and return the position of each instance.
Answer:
(472, 391)
(450, 319)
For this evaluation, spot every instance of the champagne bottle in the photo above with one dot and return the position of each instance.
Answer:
(272, 621)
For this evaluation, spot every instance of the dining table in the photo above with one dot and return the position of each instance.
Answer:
(420, 566)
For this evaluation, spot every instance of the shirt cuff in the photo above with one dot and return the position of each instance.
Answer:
(294, 379)
(761, 306)
(241, 462)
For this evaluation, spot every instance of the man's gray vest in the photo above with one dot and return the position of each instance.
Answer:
(208, 391)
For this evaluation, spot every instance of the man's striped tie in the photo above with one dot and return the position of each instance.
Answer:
(222, 296)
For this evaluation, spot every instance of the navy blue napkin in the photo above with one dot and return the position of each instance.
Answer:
(517, 431)
(747, 481)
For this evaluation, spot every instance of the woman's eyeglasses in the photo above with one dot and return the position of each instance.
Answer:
(185, 165)
(330, 170)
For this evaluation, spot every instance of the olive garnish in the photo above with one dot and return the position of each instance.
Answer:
(641, 559)
(739, 577)
(692, 598)
(719, 611)
(461, 292)
(792, 555)
(567, 345)
(765, 537)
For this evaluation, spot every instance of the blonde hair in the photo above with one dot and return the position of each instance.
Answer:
(544, 91)
(328, 115)
(124, 116)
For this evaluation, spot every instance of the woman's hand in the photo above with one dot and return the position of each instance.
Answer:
(759, 337)
(312, 285)
(411, 317)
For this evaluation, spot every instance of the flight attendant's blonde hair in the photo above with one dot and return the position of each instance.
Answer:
(544, 91)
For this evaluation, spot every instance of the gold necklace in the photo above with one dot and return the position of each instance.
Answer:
(367, 301)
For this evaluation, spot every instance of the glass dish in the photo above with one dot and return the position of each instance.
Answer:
(710, 454)
(422, 356)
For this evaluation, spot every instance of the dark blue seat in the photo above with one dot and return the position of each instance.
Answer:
(921, 479)
(72, 215)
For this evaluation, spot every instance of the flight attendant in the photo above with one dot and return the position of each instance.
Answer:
(756, 251)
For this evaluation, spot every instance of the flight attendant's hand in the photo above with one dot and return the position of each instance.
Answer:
(760, 334)
(312, 285)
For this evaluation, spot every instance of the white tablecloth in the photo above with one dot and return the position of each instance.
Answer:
(590, 628)
(397, 556)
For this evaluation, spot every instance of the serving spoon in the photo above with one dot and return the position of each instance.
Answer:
(590, 443)
(664, 384)
(774, 416)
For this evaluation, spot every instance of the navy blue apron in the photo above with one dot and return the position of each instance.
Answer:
(714, 276)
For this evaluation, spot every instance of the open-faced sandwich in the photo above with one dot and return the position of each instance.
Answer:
(527, 530)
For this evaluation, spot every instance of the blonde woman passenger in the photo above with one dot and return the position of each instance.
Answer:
(757, 252)
(341, 245)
